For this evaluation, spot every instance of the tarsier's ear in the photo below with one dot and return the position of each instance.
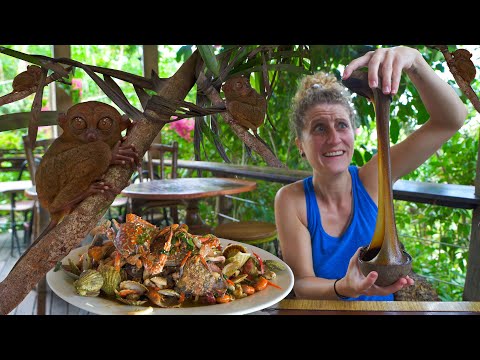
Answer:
(62, 120)
(125, 122)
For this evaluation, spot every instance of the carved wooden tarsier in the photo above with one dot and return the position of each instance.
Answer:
(72, 167)
(247, 107)
(385, 254)
(465, 67)
(27, 79)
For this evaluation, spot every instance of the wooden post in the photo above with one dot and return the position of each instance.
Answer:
(150, 62)
(471, 290)
(63, 101)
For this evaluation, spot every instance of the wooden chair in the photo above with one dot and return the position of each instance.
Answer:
(156, 169)
(249, 232)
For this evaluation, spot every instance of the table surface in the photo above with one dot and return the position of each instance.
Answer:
(187, 188)
(337, 307)
(14, 186)
(31, 192)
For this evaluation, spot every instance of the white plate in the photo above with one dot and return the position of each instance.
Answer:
(62, 285)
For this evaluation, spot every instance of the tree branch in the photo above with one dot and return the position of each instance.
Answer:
(462, 84)
(15, 96)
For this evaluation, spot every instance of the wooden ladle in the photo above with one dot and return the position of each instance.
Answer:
(385, 254)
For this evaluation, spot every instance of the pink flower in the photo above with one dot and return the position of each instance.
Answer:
(184, 128)
(77, 85)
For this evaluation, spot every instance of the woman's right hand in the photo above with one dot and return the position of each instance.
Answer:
(354, 283)
(387, 63)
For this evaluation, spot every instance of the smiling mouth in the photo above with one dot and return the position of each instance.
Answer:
(334, 153)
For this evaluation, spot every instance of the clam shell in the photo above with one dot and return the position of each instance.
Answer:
(232, 249)
(89, 283)
(112, 279)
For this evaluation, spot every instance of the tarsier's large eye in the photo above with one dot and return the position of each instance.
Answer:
(105, 123)
(78, 123)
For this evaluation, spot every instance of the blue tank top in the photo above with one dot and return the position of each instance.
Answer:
(331, 255)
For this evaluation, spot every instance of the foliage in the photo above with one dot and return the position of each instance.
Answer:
(437, 237)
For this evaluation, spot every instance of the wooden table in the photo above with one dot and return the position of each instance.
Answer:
(13, 187)
(190, 190)
(337, 307)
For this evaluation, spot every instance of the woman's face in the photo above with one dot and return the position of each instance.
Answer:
(327, 138)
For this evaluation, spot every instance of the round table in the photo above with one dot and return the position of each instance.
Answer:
(191, 190)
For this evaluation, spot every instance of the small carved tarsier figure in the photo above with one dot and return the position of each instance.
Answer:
(73, 166)
(27, 79)
(247, 107)
(463, 64)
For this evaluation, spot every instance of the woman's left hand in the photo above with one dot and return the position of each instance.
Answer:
(358, 284)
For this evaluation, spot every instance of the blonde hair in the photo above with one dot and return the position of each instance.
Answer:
(319, 88)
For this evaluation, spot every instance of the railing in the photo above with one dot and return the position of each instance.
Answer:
(448, 195)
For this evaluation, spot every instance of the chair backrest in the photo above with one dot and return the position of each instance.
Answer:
(34, 154)
(12, 164)
(156, 169)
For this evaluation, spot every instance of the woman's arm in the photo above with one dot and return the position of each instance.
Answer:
(295, 243)
(447, 112)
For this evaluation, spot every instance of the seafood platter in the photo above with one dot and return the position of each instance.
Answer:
(138, 268)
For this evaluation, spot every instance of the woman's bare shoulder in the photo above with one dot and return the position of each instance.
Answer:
(290, 191)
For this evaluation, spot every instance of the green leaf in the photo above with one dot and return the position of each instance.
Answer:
(58, 266)
(357, 158)
(394, 130)
(208, 56)
(367, 155)
(184, 53)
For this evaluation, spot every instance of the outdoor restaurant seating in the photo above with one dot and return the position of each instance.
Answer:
(249, 232)
(156, 170)
(9, 164)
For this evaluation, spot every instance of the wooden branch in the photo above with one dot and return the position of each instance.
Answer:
(15, 96)
(36, 108)
(118, 98)
(42, 257)
(462, 84)
(135, 80)
(180, 109)
(250, 140)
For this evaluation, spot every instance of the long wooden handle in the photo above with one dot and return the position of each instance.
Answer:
(385, 236)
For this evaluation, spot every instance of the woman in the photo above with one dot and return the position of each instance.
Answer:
(323, 220)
